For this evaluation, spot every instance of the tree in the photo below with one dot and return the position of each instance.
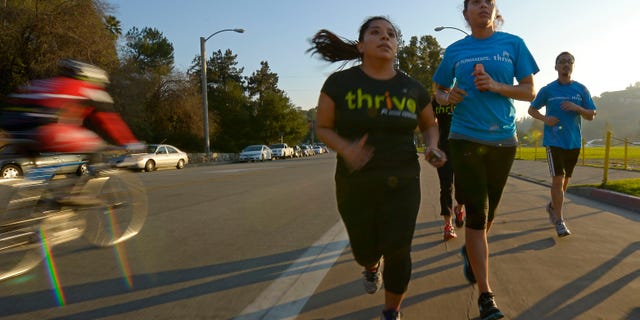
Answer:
(113, 25)
(145, 89)
(275, 115)
(262, 81)
(420, 59)
(150, 50)
(36, 34)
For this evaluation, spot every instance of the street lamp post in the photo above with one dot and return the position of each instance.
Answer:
(437, 29)
(205, 99)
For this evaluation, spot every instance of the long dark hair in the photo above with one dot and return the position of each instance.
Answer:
(334, 48)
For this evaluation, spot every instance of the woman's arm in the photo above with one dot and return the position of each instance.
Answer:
(428, 125)
(355, 153)
(523, 91)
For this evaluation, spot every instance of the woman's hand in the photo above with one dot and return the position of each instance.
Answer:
(357, 154)
(455, 95)
(483, 80)
(435, 156)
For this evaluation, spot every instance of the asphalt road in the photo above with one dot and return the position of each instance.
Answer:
(264, 241)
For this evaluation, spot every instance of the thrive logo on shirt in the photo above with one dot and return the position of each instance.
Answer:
(390, 105)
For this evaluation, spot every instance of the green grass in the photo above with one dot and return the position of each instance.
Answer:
(619, 156)
(627, 186)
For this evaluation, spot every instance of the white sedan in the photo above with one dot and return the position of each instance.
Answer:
(258, 152)
(156, 156)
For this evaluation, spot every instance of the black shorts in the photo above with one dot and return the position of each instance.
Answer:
(562, 161)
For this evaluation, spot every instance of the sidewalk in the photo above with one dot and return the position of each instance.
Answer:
(538, 172)
(591, 275)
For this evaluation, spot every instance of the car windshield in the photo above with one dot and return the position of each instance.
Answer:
(253, 148)
(151, 148)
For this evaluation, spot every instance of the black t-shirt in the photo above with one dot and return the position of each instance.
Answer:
(443, 114)
(386, 110)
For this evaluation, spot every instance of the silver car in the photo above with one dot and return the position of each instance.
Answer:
(14, 164)
(156, 156)
(258, 152)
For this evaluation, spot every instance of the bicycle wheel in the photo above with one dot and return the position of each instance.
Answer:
(123, 212)
(20, 244)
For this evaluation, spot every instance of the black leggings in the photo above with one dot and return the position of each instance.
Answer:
(380, 217)
(445, 176)
(481, 173)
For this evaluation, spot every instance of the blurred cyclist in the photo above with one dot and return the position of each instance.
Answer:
(71, 113)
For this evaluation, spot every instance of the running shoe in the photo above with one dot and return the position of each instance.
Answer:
(468, 272)
(449, 232)
(458, 210)
(391, 315)
(562, 229)
(372, 279)
(488, 308)
(552, 216)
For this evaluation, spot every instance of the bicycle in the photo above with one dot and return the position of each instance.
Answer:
(35, 211)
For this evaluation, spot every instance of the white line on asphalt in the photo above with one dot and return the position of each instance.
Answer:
(287, 295)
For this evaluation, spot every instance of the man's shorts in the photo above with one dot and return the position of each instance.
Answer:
(562, 161)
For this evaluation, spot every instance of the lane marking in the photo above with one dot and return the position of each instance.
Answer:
(287, 295)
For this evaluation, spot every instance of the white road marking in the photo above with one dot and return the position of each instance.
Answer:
(287, 295)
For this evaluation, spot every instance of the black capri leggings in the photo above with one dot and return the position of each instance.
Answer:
(481, 172)
(380, 217)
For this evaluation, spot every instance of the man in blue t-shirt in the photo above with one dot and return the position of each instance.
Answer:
(566, 101)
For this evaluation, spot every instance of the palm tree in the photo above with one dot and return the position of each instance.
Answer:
(113, 25)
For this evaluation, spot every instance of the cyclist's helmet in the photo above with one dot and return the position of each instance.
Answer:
(83, 71)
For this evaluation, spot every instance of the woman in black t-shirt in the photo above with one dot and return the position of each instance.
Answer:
(367, 114)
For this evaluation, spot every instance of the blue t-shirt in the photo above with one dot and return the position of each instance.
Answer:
(485, 116)
(567, 133)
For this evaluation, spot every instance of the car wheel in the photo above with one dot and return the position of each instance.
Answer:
(10, 171)
(262, 158)
(149, 166)
(82, 169)
(180, 164)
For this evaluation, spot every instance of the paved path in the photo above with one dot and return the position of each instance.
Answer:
(592, 274)
(538, 172)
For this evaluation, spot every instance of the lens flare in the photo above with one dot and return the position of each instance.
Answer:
(120, 251)
(51, 268)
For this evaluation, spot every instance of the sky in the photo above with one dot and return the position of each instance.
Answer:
(602, 35)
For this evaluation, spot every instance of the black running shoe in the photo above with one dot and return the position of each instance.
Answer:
(391, 315)
(488, 308)
(372, 279)
(468, 272)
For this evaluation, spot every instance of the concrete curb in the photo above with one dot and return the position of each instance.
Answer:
(613, 198)
(617, 199)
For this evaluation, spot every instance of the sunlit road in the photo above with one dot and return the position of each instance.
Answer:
(214, 238)
(264, 241)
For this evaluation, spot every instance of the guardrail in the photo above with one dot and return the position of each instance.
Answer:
(215, 157)
(611, 153)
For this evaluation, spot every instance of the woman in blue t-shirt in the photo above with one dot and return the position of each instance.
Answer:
(483, 134)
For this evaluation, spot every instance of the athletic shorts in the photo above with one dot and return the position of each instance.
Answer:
(562, 161)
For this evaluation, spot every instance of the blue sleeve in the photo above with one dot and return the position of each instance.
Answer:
(541, 99)
(445, 73)
(587, 101)
(525, 63)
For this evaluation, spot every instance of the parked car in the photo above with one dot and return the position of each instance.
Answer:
(297, 151)
(281, 150)
(14, 164)
(595, 143)
(257, 152)
(156, 156)
(319, 148)
(307, 150)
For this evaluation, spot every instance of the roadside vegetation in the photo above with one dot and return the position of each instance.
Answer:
(594, 156)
